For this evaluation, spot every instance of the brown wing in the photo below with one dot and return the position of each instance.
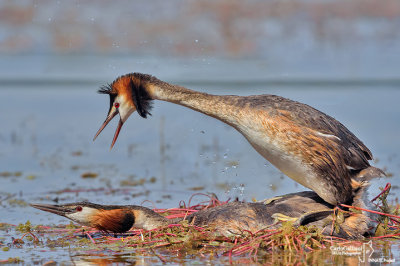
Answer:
(356, 154)
(254, 216)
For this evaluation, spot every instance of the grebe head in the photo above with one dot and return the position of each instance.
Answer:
(128, 94)
(80, 212)
(116, 219)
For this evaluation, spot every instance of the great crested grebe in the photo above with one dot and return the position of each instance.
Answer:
(304, 208)
(307, 145)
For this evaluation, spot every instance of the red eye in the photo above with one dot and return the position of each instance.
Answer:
(78, 208)
(116, 105)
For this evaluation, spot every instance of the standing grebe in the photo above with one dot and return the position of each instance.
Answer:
(303, 208)
(307, 145)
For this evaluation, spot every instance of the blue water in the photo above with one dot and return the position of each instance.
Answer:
(46, 134)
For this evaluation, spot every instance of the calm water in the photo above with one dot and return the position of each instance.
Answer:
(46, 145)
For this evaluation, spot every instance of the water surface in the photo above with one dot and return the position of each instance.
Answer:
(46, 148)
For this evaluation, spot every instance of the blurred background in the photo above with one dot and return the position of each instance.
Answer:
(342, 57)
(289, 40)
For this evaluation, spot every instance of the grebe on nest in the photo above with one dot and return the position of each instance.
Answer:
(303, 208)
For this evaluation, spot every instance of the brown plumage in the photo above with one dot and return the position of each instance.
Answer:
(115, 220)
(307, 145)
(228, 219)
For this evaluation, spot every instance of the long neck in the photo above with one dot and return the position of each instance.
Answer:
(148, 219)
(220, 107)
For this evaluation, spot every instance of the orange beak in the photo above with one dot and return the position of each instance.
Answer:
(108, 119)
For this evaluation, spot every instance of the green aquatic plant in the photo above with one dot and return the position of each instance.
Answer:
(11, 260)
(294, 244)
(24, 228)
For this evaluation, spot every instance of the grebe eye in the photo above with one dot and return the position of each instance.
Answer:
(116, 105)
(78, 208)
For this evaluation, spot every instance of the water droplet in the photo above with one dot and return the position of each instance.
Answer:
(241, 188)
(196, 40)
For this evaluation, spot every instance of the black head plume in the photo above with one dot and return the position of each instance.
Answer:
(140, 96)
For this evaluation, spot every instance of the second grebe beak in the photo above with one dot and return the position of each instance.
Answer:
(113, 112)
(56, 209)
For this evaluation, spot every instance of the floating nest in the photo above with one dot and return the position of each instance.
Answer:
(293, 244)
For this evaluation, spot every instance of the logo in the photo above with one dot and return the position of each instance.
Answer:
(363, 252)
(366, 252)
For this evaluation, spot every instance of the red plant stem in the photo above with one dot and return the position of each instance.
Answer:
(231, 250)
(90, 237)
(249, 232)
(163, 260)
(242, 250)
(387, 187)
(395, 221)
(316, 242)
(299, 241)
(294, 244)
(196, 194)
(163, 234)
(371, 211)
(34, 237)
(173, 225)
(198, 228)
(268, 235)
(310, 248)
(268, 243)
(385, 236)
(287, 239)
(146, 243)
(152, 202)
(164, 244)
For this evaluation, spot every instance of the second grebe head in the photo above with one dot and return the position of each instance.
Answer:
(106, 218)
(127, 95)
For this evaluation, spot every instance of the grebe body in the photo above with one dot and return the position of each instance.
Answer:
(307, 145)
(304, 208)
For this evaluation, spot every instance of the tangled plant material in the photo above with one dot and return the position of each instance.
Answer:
(187, 239)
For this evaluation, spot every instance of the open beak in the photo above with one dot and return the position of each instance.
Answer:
(56, 209)
(108, 119)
